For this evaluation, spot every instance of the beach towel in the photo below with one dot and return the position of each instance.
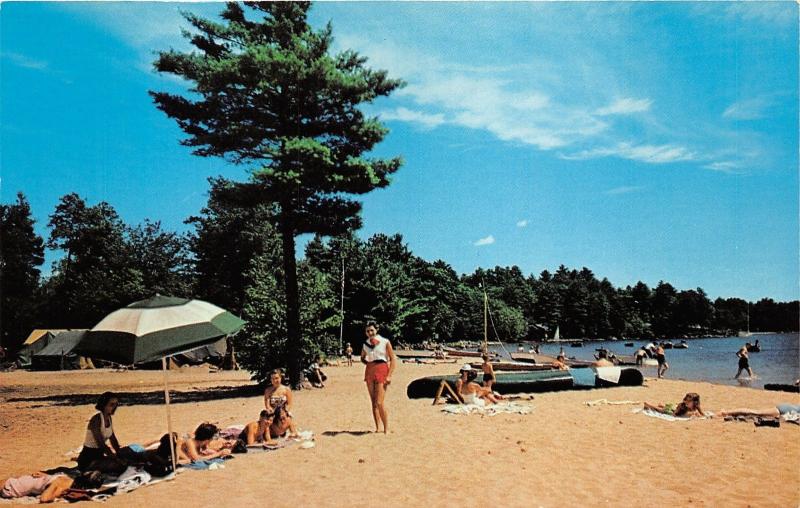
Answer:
(670, 418)
(209, 465)
(490, 410)
(604, 402)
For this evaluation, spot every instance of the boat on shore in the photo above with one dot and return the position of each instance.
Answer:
(538, 381)
(458, 352)
(414, 353)
(514, 366)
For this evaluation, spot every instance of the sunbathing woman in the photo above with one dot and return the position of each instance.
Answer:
(258, 433)
(197, 447)
(96, 454)
(774, 412)
(48, 487)
(282, 423)
(473, 393)
(690, 406)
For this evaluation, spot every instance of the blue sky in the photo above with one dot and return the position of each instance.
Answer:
(646, 141)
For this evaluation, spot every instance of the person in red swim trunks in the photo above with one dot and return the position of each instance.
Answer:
(377, 354)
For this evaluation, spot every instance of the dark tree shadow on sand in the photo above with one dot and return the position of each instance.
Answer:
(149, 398)
(348, 432)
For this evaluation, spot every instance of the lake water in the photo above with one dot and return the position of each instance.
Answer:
(711, 359)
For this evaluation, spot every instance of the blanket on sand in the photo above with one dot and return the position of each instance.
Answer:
(489, 410)
(670, 418)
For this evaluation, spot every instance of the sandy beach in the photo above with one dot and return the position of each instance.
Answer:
(562, 454)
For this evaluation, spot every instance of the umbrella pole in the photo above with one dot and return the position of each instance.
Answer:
(169, 417)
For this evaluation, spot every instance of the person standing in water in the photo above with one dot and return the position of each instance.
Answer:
(744, 362)
(378, 356)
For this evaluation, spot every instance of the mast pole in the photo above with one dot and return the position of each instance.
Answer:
(341, 312)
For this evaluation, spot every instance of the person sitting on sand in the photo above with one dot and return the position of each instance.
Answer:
(561, 362)
(773, 412)
(488, 372)
(315, 375)
(277, 394)
(602, 359)
(96, 454)
(690, 406)
(473, 393)
(282, 424)
(258, 433)
(197, 447)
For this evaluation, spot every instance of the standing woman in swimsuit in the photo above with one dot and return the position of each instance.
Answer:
(377, 354)
(96, 454)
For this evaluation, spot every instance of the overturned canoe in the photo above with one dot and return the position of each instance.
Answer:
(538, 381)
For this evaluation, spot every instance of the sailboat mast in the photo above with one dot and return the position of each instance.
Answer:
(485, 321)
(341, 312)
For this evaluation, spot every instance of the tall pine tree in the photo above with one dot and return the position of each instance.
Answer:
(267, 93)
(21, 253)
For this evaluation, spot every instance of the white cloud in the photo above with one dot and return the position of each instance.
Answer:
(723, 166)
(406, 115)
(654, 154)
(625, 189)
(625, 106)
(522, 223)
(748, 109)
(484, 241)
(24, 61)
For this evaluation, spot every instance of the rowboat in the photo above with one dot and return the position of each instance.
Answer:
(515, 366)
(414, 353)
(545, 359)
(458, 352)
(538, 381)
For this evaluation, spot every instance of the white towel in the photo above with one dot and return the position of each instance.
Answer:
(670, 418)
(490, 410)
(610, 374)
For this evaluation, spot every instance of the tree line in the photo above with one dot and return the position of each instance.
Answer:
(231, 256)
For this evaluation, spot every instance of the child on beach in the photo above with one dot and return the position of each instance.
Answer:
(690, 406)
(488, 372)
(282, 423)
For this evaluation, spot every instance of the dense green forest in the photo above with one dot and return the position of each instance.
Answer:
(231, 256)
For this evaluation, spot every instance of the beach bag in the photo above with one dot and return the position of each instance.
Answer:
(159, 468)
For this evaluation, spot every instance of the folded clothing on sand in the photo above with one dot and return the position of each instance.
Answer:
(27, 485)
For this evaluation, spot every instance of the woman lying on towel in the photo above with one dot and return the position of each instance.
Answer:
(773, 412)
(282, 424)
(48, 487)
(197, 447)
(690, 406)
(96, 455)
(471, 392)
(258, 433)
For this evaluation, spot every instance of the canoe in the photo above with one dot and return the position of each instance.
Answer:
(414, 353)
(515, 366)
(545, 360)
(782, 388)
(538, 381)
(458, 352)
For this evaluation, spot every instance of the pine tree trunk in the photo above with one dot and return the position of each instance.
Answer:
(292, 300)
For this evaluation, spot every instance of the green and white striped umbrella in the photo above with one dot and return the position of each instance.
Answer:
(157, 327)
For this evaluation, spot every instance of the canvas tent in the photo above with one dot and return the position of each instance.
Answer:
(58, 355)
(36, 341)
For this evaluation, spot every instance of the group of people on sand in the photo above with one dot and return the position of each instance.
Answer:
(102, 450)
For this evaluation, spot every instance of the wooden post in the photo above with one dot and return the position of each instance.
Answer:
(169, 418)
